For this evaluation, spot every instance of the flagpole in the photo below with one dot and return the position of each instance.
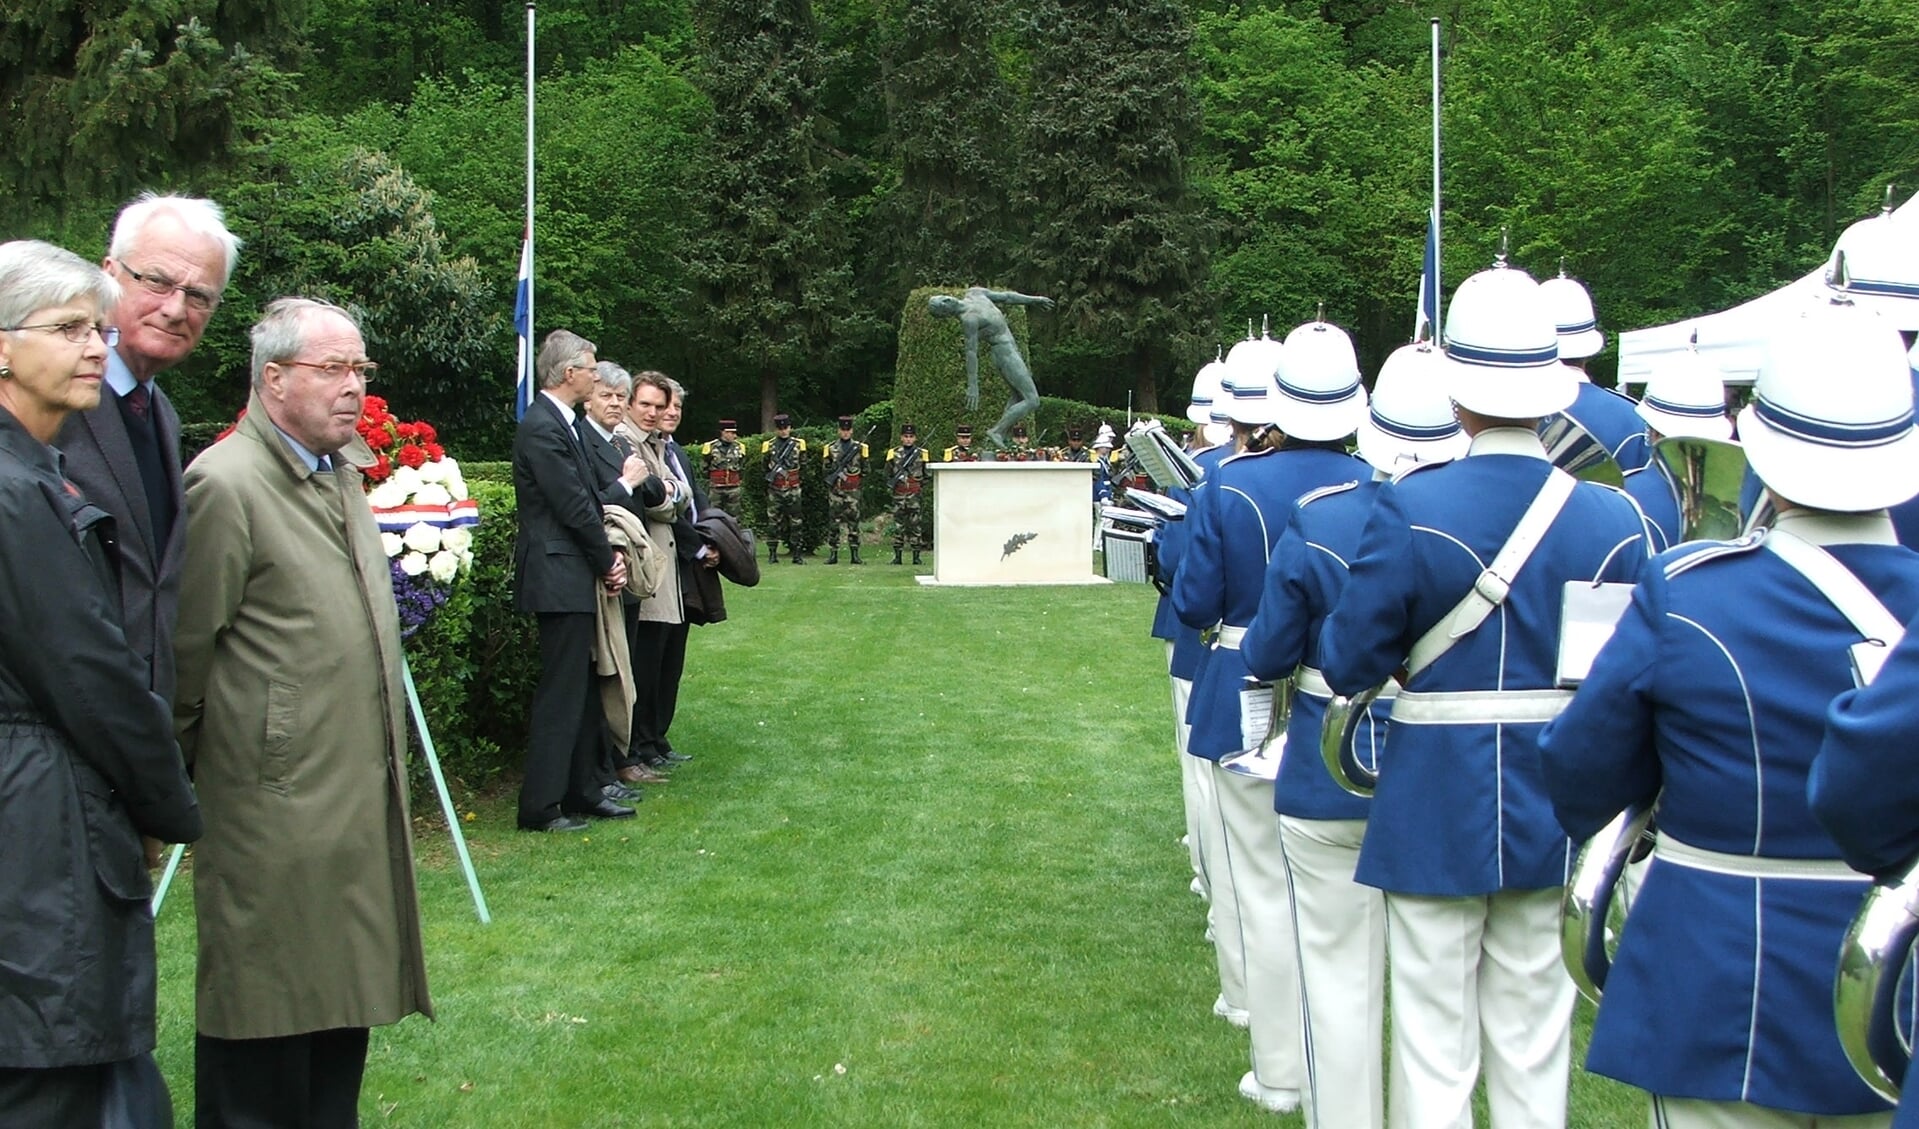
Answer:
(1438, 260)
(527, 374)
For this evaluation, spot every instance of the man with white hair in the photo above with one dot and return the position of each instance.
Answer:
(172, 256)
(292, 712)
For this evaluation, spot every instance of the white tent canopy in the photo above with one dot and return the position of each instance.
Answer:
(1734, 339)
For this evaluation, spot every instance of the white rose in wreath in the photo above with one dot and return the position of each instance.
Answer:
(432, 494)
(457, 539)
(433, 472)
(392, 543)
(406, 480)
(422, 538)
(413, 564)
(386, 496)
(444, 566)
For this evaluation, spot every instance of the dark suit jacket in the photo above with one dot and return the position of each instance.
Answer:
(99, 460)
(686, 539)
(607, 463)
(560, 551)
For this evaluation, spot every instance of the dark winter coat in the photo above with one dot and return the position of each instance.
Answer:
(87, 764)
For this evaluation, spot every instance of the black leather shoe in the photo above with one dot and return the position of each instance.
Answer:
(561, 822)
(674, 756)
(624, 793)
(605, 809)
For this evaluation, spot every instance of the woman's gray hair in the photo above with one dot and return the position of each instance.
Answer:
(614, 377)
(35, 275)
(562, 349)
(280, 333)
(201, 217)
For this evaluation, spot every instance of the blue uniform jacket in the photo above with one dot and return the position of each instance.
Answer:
(1303, 582)
(1235, 520)
(1608, 416)
(1864, 791)
(1712, 694)
(1460, 809)
(1187, 649)
(1652, 487)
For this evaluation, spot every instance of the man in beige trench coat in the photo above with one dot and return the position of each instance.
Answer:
(289, 711)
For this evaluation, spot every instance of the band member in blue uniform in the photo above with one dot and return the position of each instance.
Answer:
(1685, 396)
(1603, 413)
(1185, 652)
(1711, 698)
(1461, 837)
(1340, 926)
(1314, 399)
(1864, 792)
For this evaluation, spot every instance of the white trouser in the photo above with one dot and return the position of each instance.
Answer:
(1189, 771)
(1478, 972)
(1222, 907)
(1265, 927)
(1691, 1113)
(1341, 928)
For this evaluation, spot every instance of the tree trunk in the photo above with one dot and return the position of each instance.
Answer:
(1145, 388)
(769, 398)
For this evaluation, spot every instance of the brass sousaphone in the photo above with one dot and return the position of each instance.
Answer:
(1865, 996)
(1573, 450)
(1708, 474)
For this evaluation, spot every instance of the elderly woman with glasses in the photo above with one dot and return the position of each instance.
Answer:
(88, 762)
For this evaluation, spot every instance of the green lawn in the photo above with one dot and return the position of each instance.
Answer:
(922, 872)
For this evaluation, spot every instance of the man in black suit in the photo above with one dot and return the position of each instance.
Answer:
(172, 256)
(560, 554)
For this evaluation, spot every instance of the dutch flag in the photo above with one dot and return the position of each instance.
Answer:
(1426, 325)
(522, 325)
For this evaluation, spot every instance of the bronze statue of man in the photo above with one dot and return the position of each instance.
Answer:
(979, 315)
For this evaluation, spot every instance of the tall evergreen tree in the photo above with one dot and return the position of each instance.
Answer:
(100, 97)
(950, 116)
(1118, 238)
(772, 263)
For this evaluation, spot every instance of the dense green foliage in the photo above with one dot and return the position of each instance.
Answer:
(740, 192)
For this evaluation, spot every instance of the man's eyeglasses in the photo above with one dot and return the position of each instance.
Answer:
(159, 284)
(337, 370)
(78, 330)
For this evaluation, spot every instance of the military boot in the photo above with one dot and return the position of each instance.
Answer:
(856, 555)
(793, 554)
(896, 556)
(916, 556)
(833, 554)
(773, 552)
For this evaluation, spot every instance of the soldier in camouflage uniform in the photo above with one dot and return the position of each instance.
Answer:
(963, 452)
(724, 459)
(906, 478)
(845, 463)
(1022, 450)
(782, 454)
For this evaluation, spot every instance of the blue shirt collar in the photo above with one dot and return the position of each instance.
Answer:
(308, 457)
(120, 378)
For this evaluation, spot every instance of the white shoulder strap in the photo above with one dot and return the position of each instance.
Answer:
(1854, 600)
(1495, 583)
